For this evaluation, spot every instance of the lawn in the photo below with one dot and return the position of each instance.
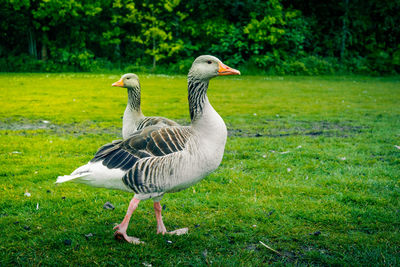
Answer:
(311, 169)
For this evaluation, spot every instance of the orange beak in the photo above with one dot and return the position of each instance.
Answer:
(225, 70)
(120, 83)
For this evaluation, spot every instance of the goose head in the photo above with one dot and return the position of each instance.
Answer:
(206, 67)
(129, 80)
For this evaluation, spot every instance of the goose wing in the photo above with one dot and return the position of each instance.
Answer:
(150, 121)
(153, 141)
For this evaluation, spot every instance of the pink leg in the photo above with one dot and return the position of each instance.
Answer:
(123, 226)
(160, 224)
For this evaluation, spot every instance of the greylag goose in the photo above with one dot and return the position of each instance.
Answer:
(158, 160)
(134, 119)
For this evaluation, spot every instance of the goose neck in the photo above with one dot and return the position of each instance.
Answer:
(133, 99)
(197, 97)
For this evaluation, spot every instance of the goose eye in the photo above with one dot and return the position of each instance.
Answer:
(128, 78)
(209, 62)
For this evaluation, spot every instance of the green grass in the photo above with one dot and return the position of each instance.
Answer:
(304, 154)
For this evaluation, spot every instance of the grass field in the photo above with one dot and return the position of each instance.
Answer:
(310, 169)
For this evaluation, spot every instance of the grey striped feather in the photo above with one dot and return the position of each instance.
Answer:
(151, 143)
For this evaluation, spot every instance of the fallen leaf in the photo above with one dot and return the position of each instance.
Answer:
(181, 231)
(89, 235)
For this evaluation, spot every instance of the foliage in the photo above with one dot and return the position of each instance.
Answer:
(310, 169)
(277, 36)
(362, 34)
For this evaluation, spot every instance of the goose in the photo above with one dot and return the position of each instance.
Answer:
(133, 118)
(157, 160)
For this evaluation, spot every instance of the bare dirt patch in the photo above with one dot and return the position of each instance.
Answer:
(271, 128)
(24, 126)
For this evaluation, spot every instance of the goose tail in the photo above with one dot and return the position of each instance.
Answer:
(96, 175)
(66, 178)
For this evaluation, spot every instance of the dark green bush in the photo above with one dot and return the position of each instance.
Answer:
(276, 36)
(317, 65)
